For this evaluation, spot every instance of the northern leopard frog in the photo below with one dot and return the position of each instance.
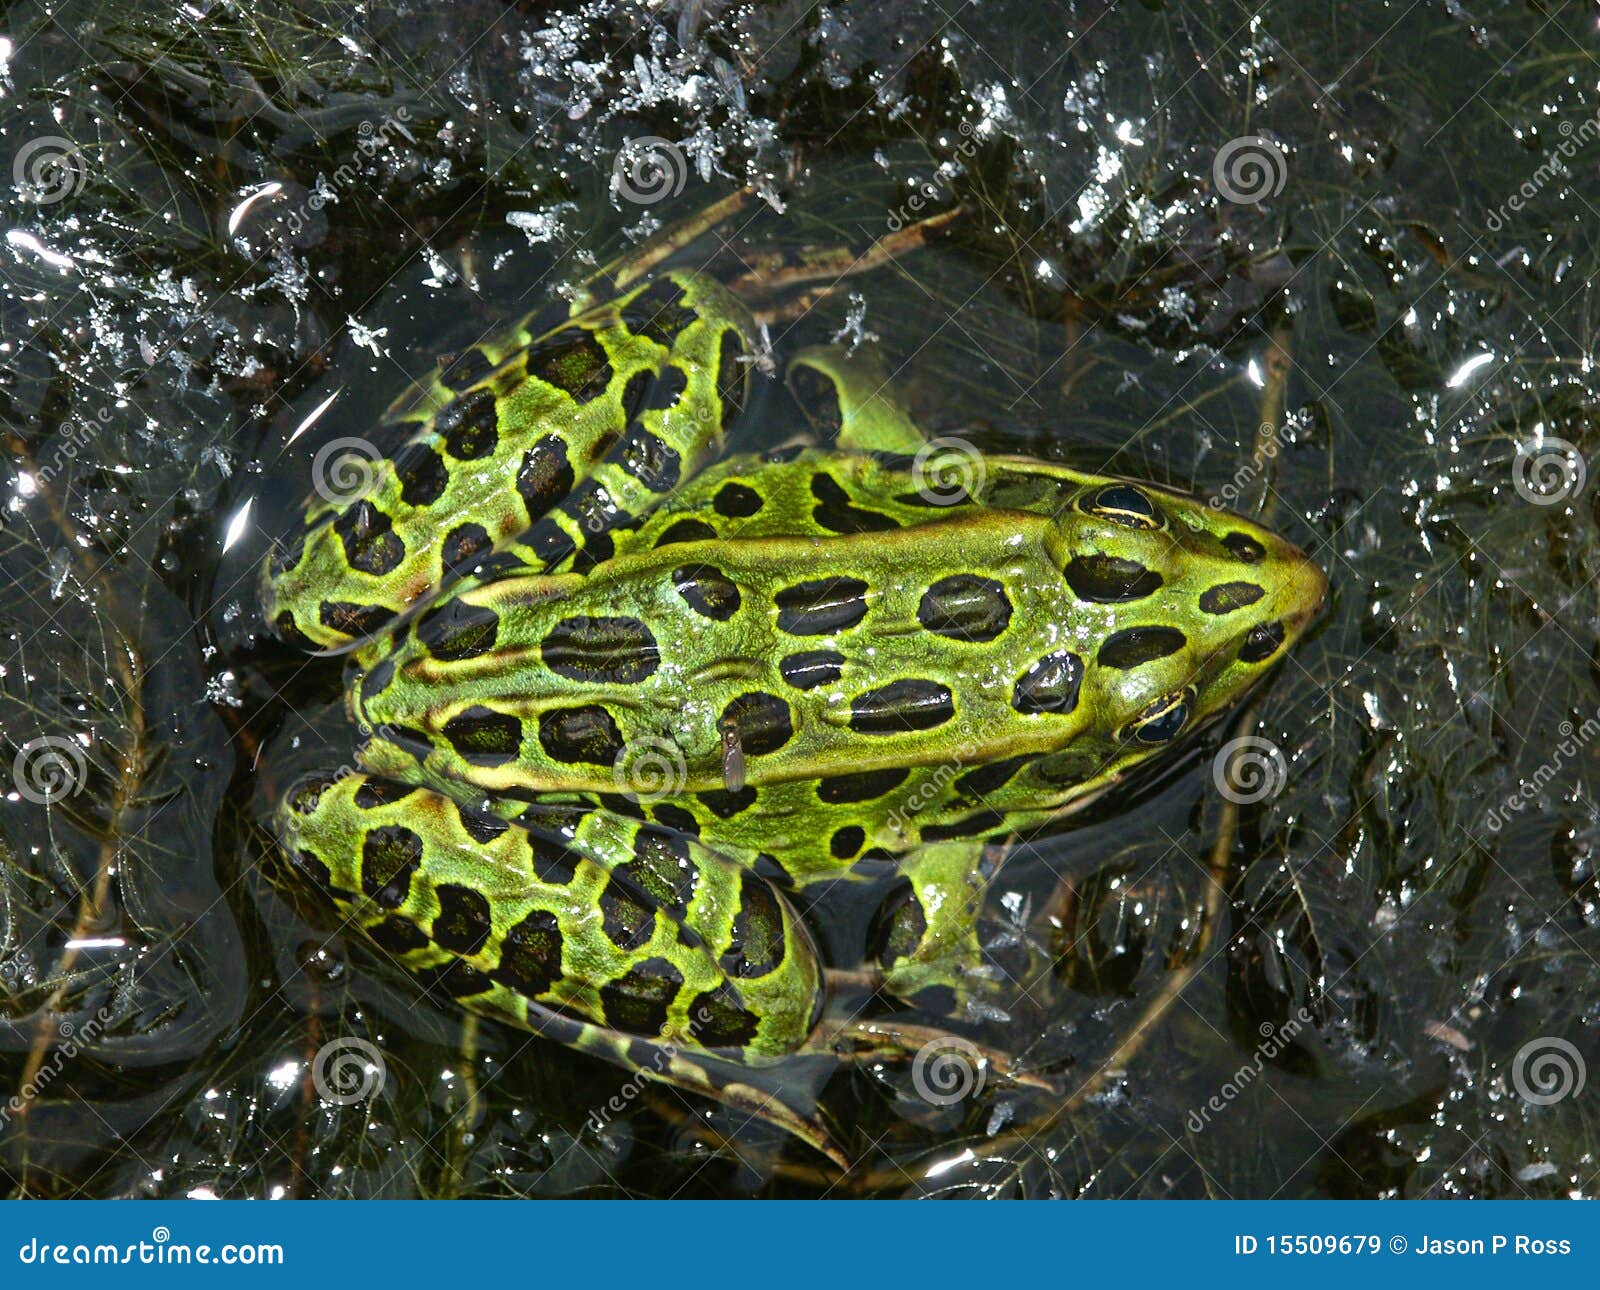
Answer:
(623, 697)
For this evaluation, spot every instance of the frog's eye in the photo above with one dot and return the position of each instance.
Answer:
(1123, 504)
(1161, 721)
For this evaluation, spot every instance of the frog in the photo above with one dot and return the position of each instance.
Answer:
(627, 695)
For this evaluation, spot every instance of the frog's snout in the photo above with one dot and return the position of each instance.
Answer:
(1301, 587)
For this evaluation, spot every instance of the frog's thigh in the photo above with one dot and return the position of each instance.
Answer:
(676, 353)
(927, 928)
(527, 456)
(620, 939)
(850, 398)
(631, 928)
(677, 422)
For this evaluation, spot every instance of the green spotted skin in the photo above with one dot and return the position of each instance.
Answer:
(630, 942)
(797, 683)
(680, 690)
(691, 951)
(521, 454)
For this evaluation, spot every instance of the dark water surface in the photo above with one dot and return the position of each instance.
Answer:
(219, 218)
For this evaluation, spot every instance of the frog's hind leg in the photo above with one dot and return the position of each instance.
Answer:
(528, 465)
(808, 274)
(619, 937)
(750, 1091)
(676, 419)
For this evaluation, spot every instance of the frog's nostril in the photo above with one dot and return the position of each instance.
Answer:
(1244, 548)
(1261, 642)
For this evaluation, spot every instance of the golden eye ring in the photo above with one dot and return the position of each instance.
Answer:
(1125, 505)
(1161, 720)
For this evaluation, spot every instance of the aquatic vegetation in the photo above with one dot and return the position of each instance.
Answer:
(1331, 277)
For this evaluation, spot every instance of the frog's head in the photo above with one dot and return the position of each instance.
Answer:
(1198, 605)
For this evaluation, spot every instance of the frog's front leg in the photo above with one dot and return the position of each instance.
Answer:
(926, 930)
(525, 454)
(611, 935)
(851, 400)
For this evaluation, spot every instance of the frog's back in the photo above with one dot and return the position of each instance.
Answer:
(812, 650)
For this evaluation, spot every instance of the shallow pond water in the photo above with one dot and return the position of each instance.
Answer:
(1329, 265)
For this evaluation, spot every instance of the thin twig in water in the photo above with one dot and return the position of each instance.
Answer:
(92, 911)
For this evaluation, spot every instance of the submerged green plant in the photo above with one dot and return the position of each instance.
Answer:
(221, 219)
